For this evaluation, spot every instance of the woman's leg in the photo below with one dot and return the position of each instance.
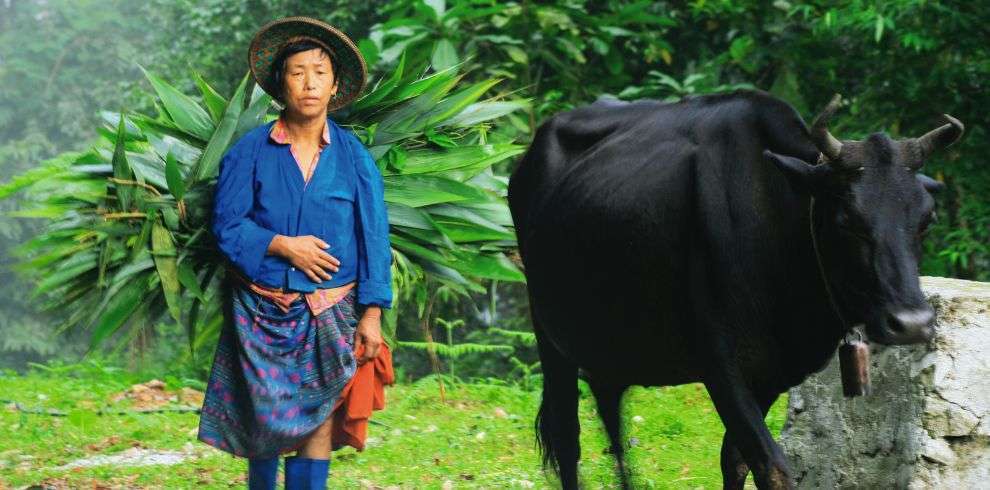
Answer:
(309, 468)
(318, 444)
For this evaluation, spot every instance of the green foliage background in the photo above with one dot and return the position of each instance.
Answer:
(899, 64)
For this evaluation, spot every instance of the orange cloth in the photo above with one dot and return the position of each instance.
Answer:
(362, 394)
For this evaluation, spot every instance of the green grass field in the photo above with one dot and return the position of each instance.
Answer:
(482, 437)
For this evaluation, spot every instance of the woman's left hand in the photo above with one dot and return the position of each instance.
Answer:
(369, 334)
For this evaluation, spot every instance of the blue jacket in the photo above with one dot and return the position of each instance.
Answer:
(260, 193)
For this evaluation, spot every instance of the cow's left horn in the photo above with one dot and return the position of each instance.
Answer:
(826, 143)
(940, 137)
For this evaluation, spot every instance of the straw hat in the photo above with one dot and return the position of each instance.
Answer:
(350, 67)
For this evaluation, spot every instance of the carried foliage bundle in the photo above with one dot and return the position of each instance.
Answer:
(129, 240)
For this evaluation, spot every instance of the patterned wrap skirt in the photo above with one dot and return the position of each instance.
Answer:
(276, 375)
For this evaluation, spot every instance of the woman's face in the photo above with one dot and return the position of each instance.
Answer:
(309, 83)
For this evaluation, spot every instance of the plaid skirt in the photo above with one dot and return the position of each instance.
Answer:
(276, 375)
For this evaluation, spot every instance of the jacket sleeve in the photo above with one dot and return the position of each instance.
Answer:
(242, 240)
(374, 272)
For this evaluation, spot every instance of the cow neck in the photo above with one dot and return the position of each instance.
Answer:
(846, 327)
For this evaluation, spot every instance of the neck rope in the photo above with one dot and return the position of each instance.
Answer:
(846, 328)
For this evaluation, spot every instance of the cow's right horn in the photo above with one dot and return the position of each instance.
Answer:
(940, 137)
(826, 143)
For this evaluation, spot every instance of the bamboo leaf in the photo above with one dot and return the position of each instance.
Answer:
(383, 89)
(165, 261)
(453, 105)
(422, 85)
(189, 281)
(173, 176)
(215, 103)
(472, 229)
(444, 55)
(480, 112)
(489, 266)
(254, 115)
(474, 156)
(68, 270)
(209, 162)
(121, 169)
(118, 310)
(423, 190)
(402, 215)
(410, 247)
(185, 112)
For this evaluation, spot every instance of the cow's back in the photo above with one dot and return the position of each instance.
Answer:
(613, 202)
(603, 205)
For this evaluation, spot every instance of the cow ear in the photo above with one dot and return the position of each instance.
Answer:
(800, 173)
(931, 185)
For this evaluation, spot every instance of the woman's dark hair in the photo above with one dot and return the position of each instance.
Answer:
(278, 65)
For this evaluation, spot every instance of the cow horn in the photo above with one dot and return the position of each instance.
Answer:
(940, 137)
(826, 143)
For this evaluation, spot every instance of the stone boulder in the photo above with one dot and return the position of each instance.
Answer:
(927, 422)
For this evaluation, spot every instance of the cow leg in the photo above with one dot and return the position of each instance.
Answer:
(557, 425)
(734, 467)
(743, 416)
(609, 399)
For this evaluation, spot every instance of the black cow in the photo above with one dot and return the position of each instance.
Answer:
(673, 243)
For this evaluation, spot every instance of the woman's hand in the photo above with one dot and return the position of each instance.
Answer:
(306, 254)
(369, 334)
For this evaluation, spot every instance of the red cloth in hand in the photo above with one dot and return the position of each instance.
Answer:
(362, 394)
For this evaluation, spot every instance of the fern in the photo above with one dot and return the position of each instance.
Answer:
(526, 338)
(457, 350)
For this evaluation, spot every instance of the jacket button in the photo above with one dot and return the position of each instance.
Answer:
(293, 268)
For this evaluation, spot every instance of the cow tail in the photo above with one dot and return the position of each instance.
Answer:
(557, 425)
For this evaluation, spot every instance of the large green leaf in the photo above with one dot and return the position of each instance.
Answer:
(402, 215)
(464, 225)
(209, 162)
(382, 89)
(489, 266)
(254, 115)
(475, 156)
(480, 112)
(168, 272)
(77, 265)
(187, 277)
(444, 55)
(183, 110)
(119, 309)
(121, 169)
(423, 190)
(453, 105)
(173, 177)
(215, 103)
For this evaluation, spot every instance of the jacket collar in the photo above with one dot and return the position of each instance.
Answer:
(279, 135)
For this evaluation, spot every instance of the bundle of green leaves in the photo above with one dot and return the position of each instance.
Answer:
(129, 241)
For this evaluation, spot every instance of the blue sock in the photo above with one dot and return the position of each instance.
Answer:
(319, 470)
(262, 473)
(306, 473)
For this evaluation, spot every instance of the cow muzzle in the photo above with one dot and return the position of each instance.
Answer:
(905, 326)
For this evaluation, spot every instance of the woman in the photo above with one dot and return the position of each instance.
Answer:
(300, 214)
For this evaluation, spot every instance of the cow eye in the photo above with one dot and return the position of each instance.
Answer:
(845, 224)
(842, 220)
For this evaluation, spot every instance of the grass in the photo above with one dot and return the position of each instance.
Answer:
(482, 437)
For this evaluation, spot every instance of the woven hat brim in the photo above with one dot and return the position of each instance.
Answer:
(351, 70)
